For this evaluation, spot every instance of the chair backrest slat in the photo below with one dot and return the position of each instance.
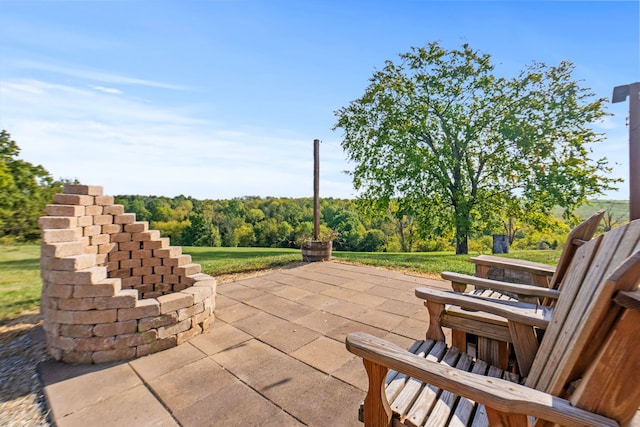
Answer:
(580, 234)
(584, 308)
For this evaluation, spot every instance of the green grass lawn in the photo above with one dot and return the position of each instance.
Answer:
(20, 283)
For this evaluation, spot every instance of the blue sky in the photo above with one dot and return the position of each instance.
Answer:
(223, 99)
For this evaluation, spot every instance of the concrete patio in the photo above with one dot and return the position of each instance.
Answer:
(274, 356)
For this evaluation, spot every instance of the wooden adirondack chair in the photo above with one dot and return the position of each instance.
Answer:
(585, 372)
(487, 335)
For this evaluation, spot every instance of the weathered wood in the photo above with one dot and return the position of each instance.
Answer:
(484, 263)
(589, 353)
(513, 288)
(496, 393)
(521, 312)
(525, 344)
(377, 412)
(610, 386)
(434, 330)
(493, 352)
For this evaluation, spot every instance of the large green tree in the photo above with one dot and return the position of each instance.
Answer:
(443, 132)
(25, 189)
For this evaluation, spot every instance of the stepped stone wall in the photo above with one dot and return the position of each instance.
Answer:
(112, 288)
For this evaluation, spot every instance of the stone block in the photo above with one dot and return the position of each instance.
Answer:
(167, 331)
(173, 302)
(119, 255)
(131, 263)
(104, 200)
(142, 271)
(188, 312)
(146, 236)
(114, 210)
(157, 346)
(125, 298)
(56, 222)
(90, 190)
(61, 235)
(136, 227)
(161, 243)
(100, 239)
(177, 261)
(127, 218)
(152, 294)
(207, 322)
(128, 282)
(141, 253)
(162, 269)
(199, 292)
(76, 331)
(116, 328)
(136, 339)
(63, 343)
(87, 276)
(173, 279)
(57, 316)
(144, 308)
(61, 249)
(121, 273)
(157, 321)
(85, 221)
(59, 291)
(112, 266)
(177, 287)
(111, 228)
(121, 237)
(73, 262)
(187, 269)
(72, 199)
(129, 246)
(103, 220)
(64, 210)
(114, 355)
(91, 230)
(92, 317)
(165, 288)
(187, 335)
(101, 259)
(93, 210)
(77, 304)
(151, 279)
(152, 262)
(94, 343)
(105, 288)
(170, 252)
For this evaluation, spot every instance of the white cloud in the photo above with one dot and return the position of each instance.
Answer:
(110, 90)
(134, 147)
(88, 74)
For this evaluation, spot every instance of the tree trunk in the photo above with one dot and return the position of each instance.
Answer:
(463, 226)
(462, 246)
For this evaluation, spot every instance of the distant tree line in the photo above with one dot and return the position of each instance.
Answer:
(25, 190)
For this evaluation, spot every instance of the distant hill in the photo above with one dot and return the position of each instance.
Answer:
(617, 210)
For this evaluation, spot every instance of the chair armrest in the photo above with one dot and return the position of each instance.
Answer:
(494, 393)
(514, 288)
(524, 313)
(514, 264)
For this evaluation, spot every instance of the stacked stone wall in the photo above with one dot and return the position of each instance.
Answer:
(112, 288)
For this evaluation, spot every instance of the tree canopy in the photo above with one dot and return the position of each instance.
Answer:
(456, 146)
(25, 189)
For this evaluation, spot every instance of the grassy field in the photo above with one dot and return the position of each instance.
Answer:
(20, 283)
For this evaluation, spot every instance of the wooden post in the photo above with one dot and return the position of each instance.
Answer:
(316, 189)
(620, 94)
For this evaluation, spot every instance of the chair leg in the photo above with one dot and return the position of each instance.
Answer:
(377, 412)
